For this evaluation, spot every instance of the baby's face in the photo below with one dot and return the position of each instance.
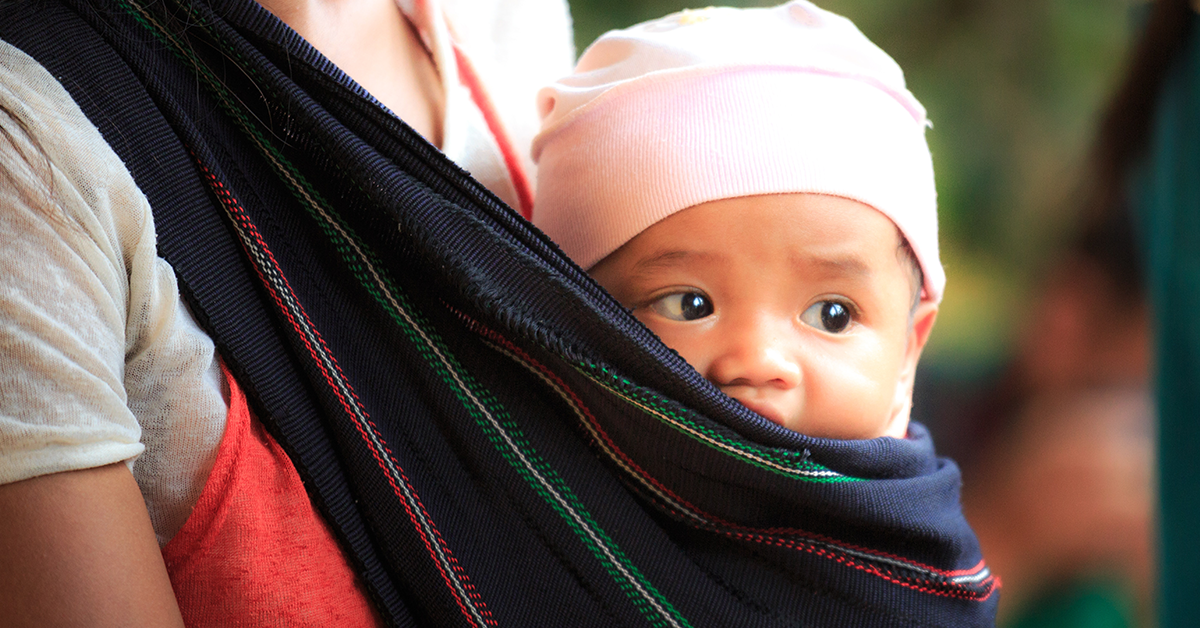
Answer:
(796, 305)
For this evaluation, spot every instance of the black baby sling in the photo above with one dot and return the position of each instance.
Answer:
(492, 438)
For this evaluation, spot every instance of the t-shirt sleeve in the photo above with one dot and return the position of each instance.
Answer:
(73, 232)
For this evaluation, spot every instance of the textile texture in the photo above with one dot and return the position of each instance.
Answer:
(493, 439)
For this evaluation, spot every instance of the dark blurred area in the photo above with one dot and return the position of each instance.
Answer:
(1037, 376)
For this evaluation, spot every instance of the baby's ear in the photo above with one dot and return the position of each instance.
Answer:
(924, 316)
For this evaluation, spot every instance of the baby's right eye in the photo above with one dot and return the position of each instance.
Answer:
(829, 316)
(683, 306)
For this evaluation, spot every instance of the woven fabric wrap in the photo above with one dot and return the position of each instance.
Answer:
(493, 440)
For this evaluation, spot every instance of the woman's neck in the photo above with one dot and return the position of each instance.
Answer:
(373, 43)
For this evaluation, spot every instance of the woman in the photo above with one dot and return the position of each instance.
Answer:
(74, 514)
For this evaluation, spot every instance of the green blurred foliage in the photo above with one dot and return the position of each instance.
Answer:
(1013, 90)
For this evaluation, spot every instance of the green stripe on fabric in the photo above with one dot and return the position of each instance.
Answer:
(792, 464)
(488, 413)
(516, 449)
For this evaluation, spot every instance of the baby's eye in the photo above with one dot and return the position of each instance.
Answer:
(830, 316)
(683, 306)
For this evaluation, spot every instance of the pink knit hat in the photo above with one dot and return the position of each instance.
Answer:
(723, 103)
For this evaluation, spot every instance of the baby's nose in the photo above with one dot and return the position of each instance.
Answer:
(756, 358)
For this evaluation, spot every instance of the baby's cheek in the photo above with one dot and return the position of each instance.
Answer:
(852, 396)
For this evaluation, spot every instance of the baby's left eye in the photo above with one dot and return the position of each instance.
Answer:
(829, 316)
(683, 306)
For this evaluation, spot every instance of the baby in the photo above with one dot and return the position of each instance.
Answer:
(754, 184)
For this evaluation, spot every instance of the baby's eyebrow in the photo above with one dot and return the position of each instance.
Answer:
(670, 258)
(842, 265)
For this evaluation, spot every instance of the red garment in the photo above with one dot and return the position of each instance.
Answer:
(254, 551)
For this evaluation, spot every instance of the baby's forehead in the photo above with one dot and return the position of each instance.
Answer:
(829, 232)
(850, 247)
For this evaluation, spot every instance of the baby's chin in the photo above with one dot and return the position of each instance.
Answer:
(795, 420)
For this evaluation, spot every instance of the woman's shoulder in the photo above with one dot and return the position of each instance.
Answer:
(108, 364)
(50, 142)
(64, 283)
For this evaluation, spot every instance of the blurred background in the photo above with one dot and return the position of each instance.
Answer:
(1035, 378)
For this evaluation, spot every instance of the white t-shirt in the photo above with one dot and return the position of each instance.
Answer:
(100, 360)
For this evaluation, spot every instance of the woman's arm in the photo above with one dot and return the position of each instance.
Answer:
(78, 549)
(76, 255)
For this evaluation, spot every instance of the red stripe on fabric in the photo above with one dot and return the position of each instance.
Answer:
(520, 179)
(964, 572)
(991, 583)
(591, 418)
(733, 530)
(238, 213)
